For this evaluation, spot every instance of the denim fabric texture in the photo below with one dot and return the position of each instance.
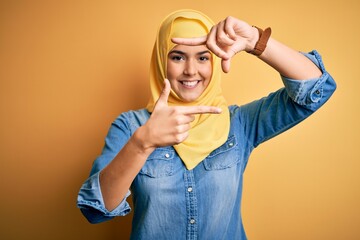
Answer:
(171, 202)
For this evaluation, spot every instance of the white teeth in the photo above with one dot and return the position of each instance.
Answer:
(190, 84)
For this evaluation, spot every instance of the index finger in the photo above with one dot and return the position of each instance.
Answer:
(225, 65)
(190, 41)
(200, 110)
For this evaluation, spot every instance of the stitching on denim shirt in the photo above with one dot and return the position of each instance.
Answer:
(319, 59)
(299, 92)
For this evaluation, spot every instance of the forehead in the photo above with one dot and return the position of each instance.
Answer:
(190, 49)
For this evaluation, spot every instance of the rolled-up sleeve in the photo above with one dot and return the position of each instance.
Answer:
(311, 93)
(90, 200)
(91, 203)
(267, 117)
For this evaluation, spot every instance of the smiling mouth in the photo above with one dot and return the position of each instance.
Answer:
(190, 84)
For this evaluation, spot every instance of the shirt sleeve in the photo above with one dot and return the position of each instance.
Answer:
(90, 200)
(281, 110)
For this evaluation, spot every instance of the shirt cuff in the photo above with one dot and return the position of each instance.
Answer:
(91, 202)
(307, 92)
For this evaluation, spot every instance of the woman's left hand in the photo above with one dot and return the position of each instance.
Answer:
(226, 39)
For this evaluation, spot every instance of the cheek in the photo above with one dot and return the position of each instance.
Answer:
(207, 71)
(171, 75)
(171, 71)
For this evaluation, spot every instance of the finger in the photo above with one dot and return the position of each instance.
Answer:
(190, 41)
(164, 94)
(191, 118)
(184, 118)
(221, 35)
(213, 45)
(200, 110)
(229, 28)
(181, 137)
(225, 65)
(183, 128)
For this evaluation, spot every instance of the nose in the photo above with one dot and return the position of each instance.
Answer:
(190, 68)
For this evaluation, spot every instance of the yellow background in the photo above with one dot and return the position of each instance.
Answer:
(68, 68)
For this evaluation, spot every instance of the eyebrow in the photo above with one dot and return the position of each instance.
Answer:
(183, 53)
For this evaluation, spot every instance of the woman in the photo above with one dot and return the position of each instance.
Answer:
(183, 157)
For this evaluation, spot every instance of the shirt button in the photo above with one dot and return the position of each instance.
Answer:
(167, 155)
(192, 221)
(317, 92)
(189, 189)
(231, 144)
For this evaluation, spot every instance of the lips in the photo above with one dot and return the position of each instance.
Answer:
(190, 84)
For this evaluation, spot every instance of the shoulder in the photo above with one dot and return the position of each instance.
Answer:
(140, 114)
(235, 111)
(232, 109)
(132, 119)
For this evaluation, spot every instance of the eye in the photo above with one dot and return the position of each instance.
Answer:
(177, 58)
(204, 58)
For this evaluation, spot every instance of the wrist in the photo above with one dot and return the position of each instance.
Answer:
(141, 141)
(263, 38)
(252, 40)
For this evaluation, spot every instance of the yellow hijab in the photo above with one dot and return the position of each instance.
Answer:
(208, 131)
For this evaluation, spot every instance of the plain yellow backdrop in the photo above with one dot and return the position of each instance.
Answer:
(68, 68)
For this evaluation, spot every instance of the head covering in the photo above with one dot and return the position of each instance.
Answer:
(208, 131)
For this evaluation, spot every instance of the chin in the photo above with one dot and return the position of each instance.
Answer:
(189, 99)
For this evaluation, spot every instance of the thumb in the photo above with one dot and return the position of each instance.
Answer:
(162, 101)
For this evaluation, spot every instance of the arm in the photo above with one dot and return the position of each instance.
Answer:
(288, 62)
(232, 35)
(115, 179)
(102, 195)
(167, 126)
(271, 115)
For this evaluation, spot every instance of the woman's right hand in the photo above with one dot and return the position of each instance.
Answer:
(170, 125)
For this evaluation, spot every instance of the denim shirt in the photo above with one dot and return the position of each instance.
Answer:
(171, 202)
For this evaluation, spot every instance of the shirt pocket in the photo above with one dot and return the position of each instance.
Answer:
(160, 163)
(226, 156)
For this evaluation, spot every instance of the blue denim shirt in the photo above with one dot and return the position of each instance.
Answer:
(171, 202)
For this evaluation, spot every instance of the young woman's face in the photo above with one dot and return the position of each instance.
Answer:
(189, 70)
